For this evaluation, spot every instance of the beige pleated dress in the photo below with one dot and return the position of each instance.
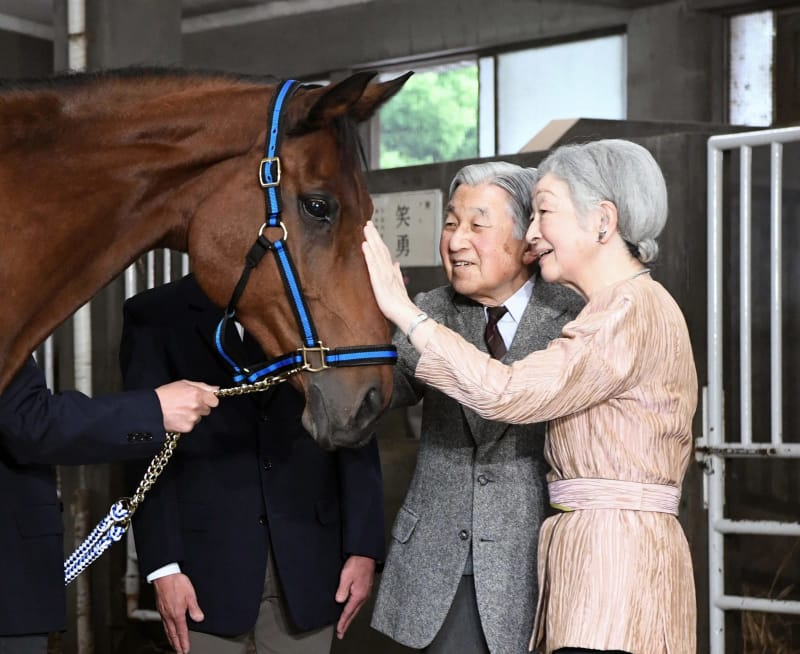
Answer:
(620, 390)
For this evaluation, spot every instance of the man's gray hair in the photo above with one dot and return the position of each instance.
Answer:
(515, 180)
(621, 172)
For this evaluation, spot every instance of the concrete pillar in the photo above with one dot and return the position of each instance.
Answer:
(122, 33)
(23, 56)
(675, 64)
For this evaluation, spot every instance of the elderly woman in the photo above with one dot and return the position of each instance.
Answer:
(619, 389)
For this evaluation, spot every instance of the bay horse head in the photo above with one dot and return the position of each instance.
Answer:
(323, 206)
(97, 169)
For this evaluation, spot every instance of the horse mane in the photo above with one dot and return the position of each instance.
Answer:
(346, 129)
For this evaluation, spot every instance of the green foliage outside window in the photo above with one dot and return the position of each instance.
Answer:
(433, 118)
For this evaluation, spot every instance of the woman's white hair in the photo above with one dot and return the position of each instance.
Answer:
(621, 172)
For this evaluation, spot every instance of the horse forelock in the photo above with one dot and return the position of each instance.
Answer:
(348, 138)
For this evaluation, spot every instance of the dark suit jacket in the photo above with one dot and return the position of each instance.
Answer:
(249, 472)
(38, 428)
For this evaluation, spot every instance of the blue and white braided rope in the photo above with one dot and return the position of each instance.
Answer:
(109, 530)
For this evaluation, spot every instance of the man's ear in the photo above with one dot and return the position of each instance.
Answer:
(528, 256)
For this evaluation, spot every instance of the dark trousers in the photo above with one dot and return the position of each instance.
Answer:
(461, 630)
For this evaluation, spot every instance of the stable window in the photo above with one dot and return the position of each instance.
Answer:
(494, 104)
(750, 75)
(433, 118)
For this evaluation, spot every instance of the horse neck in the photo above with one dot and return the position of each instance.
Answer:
(93, 176)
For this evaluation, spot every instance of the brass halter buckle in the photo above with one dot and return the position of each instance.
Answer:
(320, 354)
(269, 161)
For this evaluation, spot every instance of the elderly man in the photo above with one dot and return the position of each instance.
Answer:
(461, 572)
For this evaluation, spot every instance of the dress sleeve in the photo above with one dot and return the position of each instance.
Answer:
(407, 390)
(598, 356)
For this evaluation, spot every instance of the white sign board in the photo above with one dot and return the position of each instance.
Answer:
(410, 224)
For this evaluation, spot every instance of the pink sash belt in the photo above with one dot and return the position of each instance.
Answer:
(583, 494)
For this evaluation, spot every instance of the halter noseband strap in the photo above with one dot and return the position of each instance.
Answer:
(312, 355)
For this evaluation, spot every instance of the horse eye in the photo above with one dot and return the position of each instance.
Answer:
(317, 208)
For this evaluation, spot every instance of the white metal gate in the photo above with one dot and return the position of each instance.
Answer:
(717, 446)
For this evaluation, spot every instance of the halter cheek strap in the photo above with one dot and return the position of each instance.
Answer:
(312, 355)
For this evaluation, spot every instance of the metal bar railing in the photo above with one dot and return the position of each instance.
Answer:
(737, 450)
(776, 299)
(715, 465)
(714, 447)
(745, 292)
(762, 605)
(757, 527)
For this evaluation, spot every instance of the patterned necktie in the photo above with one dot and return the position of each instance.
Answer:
(494, 340)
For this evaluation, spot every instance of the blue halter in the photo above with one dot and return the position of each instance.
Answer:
(312, 355)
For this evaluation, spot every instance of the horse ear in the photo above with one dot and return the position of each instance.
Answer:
(334, 101)
(354, 96)
(375, 95)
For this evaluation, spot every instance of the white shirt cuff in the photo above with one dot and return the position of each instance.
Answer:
(163, 571)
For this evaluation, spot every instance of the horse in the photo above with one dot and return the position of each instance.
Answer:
(96, 169)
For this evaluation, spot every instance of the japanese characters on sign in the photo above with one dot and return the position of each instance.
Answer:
(410, 223)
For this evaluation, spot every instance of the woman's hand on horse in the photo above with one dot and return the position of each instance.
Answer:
(184, 402)
(387, 280)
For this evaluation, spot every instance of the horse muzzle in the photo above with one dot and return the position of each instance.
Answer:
(337, 418)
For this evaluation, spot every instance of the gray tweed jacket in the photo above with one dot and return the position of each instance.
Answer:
(478, 484)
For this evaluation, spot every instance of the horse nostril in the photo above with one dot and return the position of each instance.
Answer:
(370, 408)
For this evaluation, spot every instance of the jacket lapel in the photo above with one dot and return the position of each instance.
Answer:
(206, 317)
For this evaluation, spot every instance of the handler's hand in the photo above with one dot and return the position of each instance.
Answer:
(183, 403)
(355, 584)
(174, 597)
(386, 279)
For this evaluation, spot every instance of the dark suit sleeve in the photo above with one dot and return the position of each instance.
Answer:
(37, 426)
(144, 364)
(362, 501)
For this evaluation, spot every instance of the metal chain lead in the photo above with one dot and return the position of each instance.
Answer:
(160, 460)
(114, 525)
